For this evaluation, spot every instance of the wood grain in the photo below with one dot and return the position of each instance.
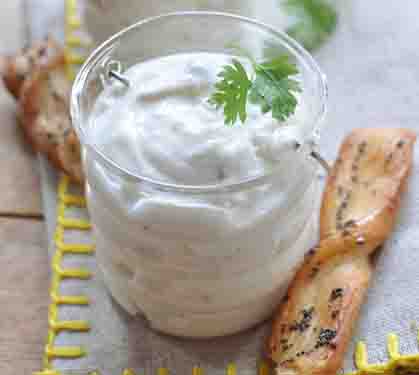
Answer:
(23, 295)
(19, 182)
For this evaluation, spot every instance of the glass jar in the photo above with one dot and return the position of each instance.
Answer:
(200, 260)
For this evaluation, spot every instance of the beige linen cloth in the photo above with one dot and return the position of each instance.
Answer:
(372, 64)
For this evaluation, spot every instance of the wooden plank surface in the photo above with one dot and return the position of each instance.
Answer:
(23, 295)
(23, 257)
(19, 182)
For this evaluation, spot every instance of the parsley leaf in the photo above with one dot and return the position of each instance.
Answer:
(232, 92)
(271, 88)
(317, 19)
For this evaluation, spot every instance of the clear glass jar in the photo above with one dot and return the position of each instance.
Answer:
(200, 261)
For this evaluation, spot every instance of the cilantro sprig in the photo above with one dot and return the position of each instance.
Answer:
(271, 87)
(232, 91)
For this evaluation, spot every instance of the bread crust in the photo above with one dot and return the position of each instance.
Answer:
(43, 95)
(313, 326)
(16, 69)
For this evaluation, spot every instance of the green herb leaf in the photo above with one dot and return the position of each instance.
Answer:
(231, 92)
(317, 20)
(271, 88)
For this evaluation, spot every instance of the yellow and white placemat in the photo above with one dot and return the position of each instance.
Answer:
(89, 333)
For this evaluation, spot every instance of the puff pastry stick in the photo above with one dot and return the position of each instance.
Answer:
(36, 78)
(45, 54)
(314, 324)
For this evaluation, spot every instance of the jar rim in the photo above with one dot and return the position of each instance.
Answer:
(99, 52)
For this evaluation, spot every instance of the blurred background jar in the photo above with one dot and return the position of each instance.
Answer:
(106, 17)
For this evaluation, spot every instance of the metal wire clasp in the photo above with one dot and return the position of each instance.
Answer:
(113, 70)
(322, 161)
(316, 156)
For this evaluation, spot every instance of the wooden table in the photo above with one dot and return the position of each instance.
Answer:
(23, 256)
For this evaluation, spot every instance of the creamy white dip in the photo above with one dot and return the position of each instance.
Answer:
(203, 264)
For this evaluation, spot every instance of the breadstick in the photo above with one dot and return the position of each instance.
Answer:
(314, 324)
(36, 78)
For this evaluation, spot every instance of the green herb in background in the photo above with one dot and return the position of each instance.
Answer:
(271, 88)
(316, 21)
